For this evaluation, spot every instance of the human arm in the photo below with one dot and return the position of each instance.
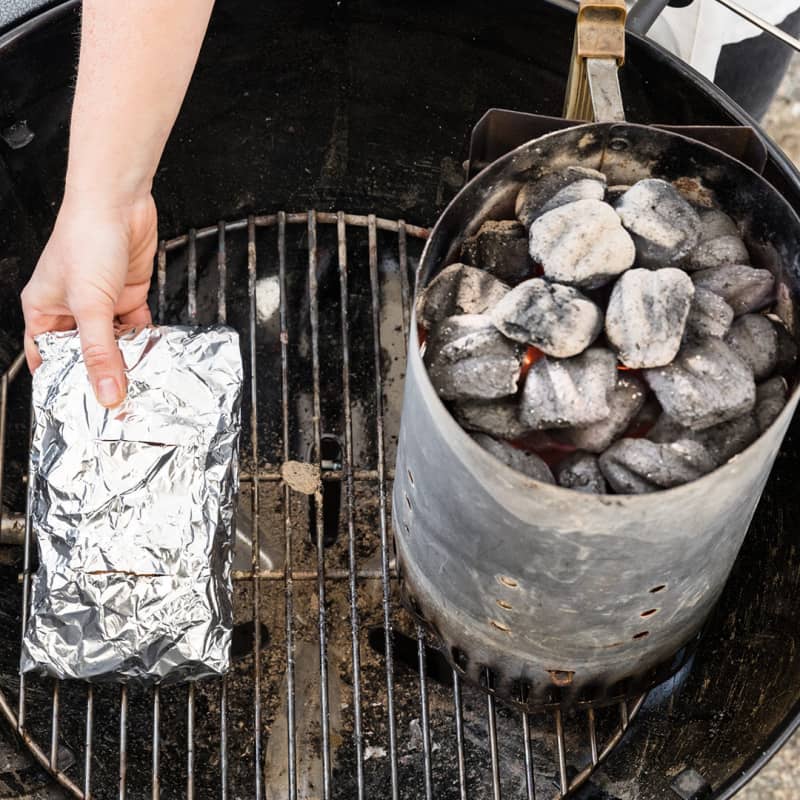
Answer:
(136, 60)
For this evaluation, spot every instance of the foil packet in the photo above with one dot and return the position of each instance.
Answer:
(132, 509)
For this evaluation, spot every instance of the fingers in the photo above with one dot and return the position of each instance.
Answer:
(138, 318)
(32, 353)
(101, 354)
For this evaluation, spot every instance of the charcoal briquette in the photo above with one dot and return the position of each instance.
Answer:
(663, 224)
(624, 403)
(458, 289)
(469, 359)
(770, 400)
(722, 441)
(637, 466)
(501, 248)
(581, 472)
(742, 287)
(557, 189)
(527, 463)
(709, 315)
(754, 337)
(720, 243)
(581, 244)
(706, 384)
(557, 319)
(646, 316)
(570, 392)
(498, 418)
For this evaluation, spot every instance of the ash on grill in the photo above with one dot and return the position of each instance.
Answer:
(616, 339)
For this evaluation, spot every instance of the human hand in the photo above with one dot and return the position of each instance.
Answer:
(95, 269)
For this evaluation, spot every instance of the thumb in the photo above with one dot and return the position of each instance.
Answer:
(101, 355)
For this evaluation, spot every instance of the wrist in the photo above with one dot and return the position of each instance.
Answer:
(79, 193)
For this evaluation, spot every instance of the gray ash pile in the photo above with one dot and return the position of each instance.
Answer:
(610, 339)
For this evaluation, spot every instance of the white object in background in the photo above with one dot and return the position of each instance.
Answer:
(697, 33)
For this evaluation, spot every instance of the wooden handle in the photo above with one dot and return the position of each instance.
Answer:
(600, 29)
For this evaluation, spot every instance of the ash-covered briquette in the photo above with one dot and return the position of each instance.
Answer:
(501, 248)
(498, 418)
(557, 189)
(527, 463)
(636, 466)
(770, 400)
(581, 244)
(709, 315)
(625, 401)
(663, 279)
(581, 472)
(742, 287)
(570, 392)
(706, 384)
(787, 346)
(663, 224)
(558, 320)
(754, 337)
(646, 316)
(469, 359)
(722, 441)
(720, 243)
(458, 289)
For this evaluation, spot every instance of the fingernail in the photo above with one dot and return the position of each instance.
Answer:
(108, 392)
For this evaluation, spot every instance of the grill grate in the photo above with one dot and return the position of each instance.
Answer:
(342, 694)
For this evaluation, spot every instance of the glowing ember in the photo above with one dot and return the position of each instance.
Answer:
(532, 355)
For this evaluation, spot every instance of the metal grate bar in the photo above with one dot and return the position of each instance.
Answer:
(223, 738)
(387, 609)
(222, 268)
(341, 236)
(459, 715)
(287, 516)
(425, 720)
(491, 714)
(87, 761)
(310, 574)
(405, 292)
(54, 726)
(191, 269)
(562, 752)
(190, 743)
(123, 742)
(326, 217)
(320, 531)
(256, 529)
(3, 404)
(155, 789)
(592, 735)
(161, 278)
(623, 715)
(530, 785)
(26, 578)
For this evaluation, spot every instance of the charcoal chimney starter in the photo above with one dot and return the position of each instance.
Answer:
(561, 596)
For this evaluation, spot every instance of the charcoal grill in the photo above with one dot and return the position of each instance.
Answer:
(317, 116)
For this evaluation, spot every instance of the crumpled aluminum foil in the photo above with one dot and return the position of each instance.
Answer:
(132, 509)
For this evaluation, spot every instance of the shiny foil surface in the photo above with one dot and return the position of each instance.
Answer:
(132, 509)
